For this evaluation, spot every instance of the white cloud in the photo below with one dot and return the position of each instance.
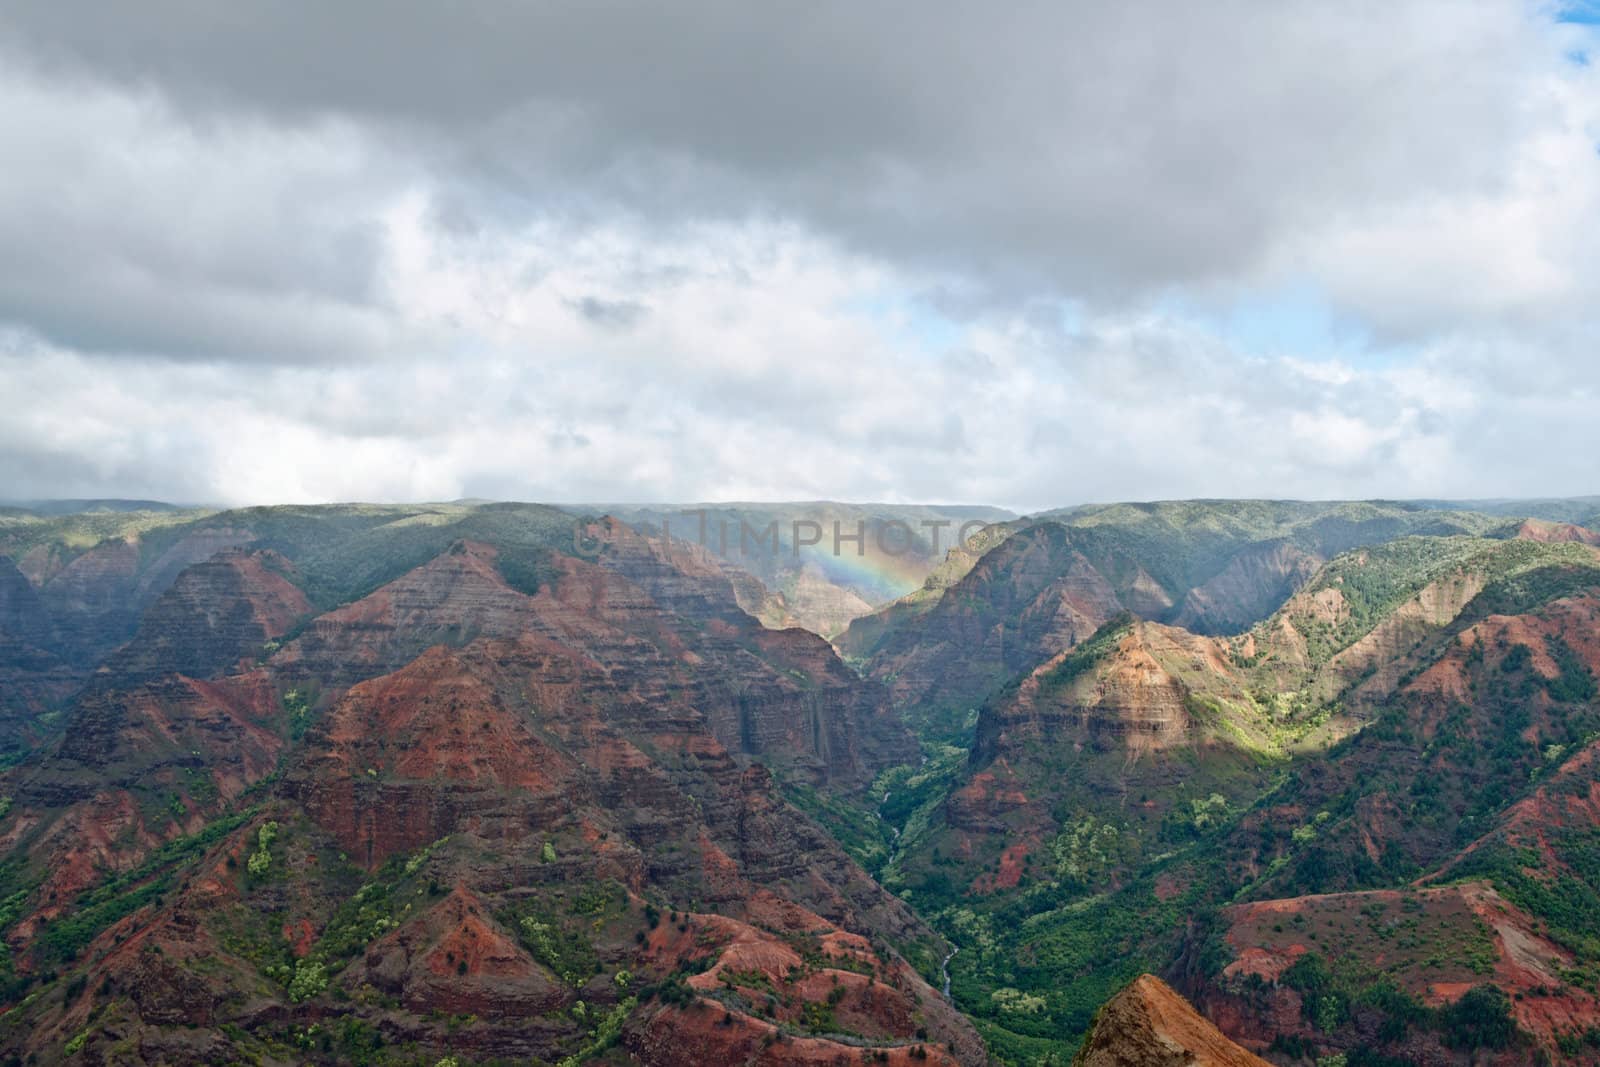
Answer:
(989, 265)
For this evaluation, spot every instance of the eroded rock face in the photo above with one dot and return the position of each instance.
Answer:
(481, 749)
(1150, 1025)
(1130, 700)
(1032, 597)
(95, 601)
(1402, 797)
(875, 997)
(506, 769)
(63, 614)
(778, 695)
(1099, 754)
(410, 757)
(456, 958)
(91, 598)
(1256, 1007)
(1540, 530)
(213, 616)
(512, 741)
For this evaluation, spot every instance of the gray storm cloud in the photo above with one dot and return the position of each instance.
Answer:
(1098, 147)
(892, 250)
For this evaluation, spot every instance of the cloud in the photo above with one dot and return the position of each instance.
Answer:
(611, 314)
(1100, 148)
(124, 228)
(1029, 255)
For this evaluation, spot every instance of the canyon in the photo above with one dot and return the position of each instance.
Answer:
(1239, 781)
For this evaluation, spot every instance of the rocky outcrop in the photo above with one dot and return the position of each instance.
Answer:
(497, 825)
(1150, 1025)
(1258, 1003)
(151, 748)
(1133, 696)
(408, 758)
(455, 957)
(515, 741)
(138, 768)
(91, 598)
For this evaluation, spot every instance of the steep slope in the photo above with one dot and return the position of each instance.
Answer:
(1119, 791)
(570, 817)
(96, 600)
(152, 746)
(1105, 755)
(1439, 788)
(22, 613)
(214, 615)
(33, 679)
(1442, 974)
(1253, 584)
(1541, 530)
(1212, 566)
(1137, 745)
(1029, 598)
(1373, 615)
(1149, 1025)
(159, 741)
(861, 638)
(663, 620)
(478, 788)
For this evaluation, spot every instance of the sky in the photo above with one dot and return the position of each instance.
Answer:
(1028, 255)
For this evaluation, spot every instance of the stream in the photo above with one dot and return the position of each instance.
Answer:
(944, 970)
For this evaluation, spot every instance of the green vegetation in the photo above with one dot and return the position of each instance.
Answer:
(605, 1033)
(310, 979)
(1086, 916)
(1183, 543)
(1573, 685)
(297, 705)
(1566, 898)
(64, 939)
(1372, 582)
(1332, 994)
(848, 819)
(72, 535)
(340, 552)
(261, 858)
(559, 930)
(1088, 654)
(1480, 1019)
